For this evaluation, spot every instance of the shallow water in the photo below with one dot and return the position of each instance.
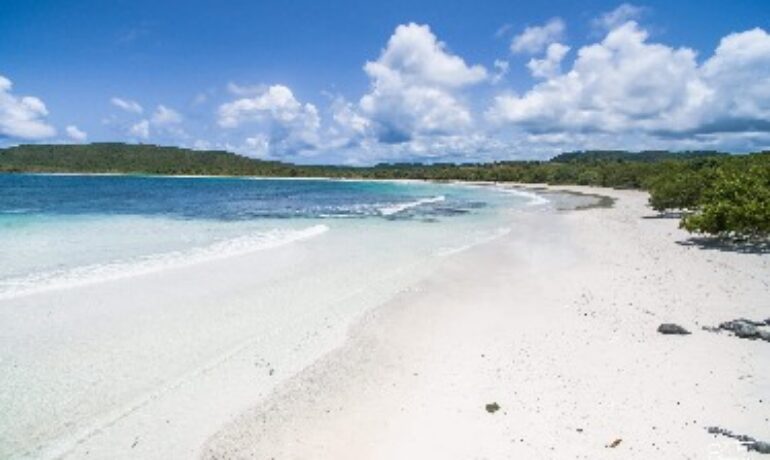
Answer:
(59, 231)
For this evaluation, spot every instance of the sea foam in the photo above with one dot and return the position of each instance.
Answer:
(89, 274)
(392, 209)
(534, 198)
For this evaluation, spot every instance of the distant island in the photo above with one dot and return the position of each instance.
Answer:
(715, 192)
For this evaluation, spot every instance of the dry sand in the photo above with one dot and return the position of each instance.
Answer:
(556, 323)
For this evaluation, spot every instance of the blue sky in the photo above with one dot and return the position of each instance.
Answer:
(360, 82)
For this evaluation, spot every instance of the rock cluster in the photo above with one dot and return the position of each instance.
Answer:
(750, 443)
(748, 329)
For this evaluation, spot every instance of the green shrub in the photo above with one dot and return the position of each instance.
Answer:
(678, 188)
(737, 204)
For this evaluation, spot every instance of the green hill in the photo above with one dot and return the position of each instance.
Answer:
(140, 159)
(645, 156)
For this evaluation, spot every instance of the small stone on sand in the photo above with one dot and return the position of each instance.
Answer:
(492, 408)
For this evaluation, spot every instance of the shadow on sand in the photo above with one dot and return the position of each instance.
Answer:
(728, 245)
(666, 215)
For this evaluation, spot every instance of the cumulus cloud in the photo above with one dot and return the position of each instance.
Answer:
(619, 16)
(415, 56)
(75, 134)
(414, 87)
(22, 117)
(550, 65)
(280, 120)
(163, 123)
(738, 79)
(349, 125)
(127, 105)
(414, 111)
(535, 39)
(626, 86)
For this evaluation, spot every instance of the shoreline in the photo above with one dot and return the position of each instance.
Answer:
(416, 375)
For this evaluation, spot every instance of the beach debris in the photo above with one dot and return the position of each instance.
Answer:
(745, 329)
(750, 443)
(671, 328)
(614, 443)
(492, 407)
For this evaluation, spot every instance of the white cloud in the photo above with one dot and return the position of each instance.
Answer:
(349, 123)
(275, 103)
(626, 86)
(140, 129)
(619, 16)
(550, 65)
(414, 87)
(22, 117)
(415, 111)
(164, 116)
(535, 39)
(738, 76)
(414, 56)
(621, 83)
(74, 133)
(288, 125)
(127, 105)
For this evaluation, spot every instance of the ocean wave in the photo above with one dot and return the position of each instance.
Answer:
(392, 209)
(17, 211)
(90, 274)
(535, 199)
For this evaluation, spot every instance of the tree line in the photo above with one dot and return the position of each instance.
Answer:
(715, 193)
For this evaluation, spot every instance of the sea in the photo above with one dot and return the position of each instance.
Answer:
(60, 231)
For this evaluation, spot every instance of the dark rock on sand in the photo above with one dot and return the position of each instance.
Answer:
(492, 407)
(671, 328)
(761, 447)
(746, 329)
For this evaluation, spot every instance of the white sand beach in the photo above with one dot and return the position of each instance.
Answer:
(556, 323)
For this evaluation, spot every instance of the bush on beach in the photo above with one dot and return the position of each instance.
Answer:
(736, 204)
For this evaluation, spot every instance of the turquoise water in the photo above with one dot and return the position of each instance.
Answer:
(62, 230)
